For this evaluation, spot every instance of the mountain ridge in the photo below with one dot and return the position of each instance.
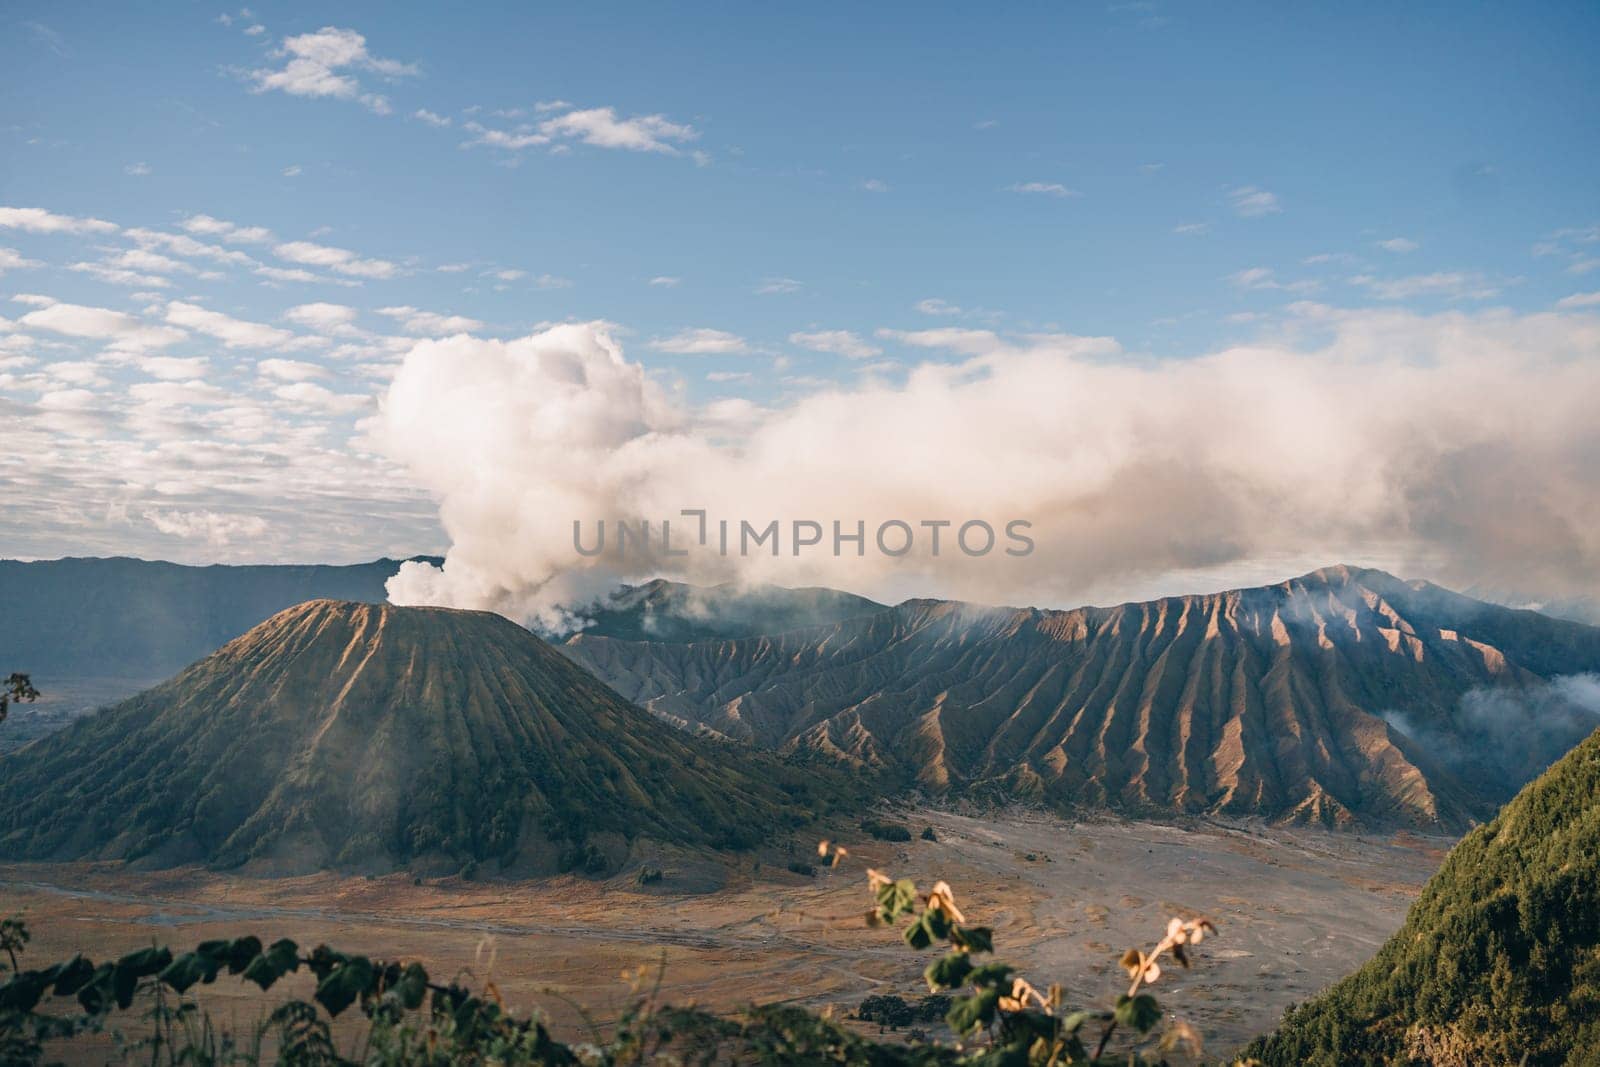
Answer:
(1280, 701)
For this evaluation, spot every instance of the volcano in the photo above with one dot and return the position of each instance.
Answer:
(369, 736)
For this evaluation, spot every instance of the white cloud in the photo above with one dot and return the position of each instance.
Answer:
(173, 368)
(510, 140)
(315, 397)
(275, 275)
(11, 259)
(1399, 245)
(120, 276)
(1579, 300)
(77, 372)
(1450, 285)
(290, 370)
(665, 281)
(37, 220)
(1249, 201)
(935, 306)
(838, 342)
(124, 332)
(319, 65)
(178, 394)
(213, 527)
(1192, 229)
(322, 317)
(424, 115)
(701, 342)
(340, 260)
(137, 170)
(597, 126)
(206, 226)
(875, 185)
(183, 245)
(232, 332)
(430, 323)
(600, 126)
(1098, 449)
(1042, 189)
(1265, 278)
(778, 286)
(294, 170)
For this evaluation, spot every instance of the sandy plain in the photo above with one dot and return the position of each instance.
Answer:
(1296, 910)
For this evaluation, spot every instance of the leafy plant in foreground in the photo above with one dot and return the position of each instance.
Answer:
(1026, 1026)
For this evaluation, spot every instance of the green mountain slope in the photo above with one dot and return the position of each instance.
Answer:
(1499, 959)
(360, 735)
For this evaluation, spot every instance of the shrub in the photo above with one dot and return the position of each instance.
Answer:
(885, 831)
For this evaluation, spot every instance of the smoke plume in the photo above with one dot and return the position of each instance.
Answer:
(1460, 447)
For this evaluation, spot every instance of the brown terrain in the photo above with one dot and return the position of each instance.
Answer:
(1280, 701)
(1296, 909)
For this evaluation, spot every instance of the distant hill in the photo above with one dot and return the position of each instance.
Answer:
(672, 611)
(67, 619)
(1499, 959)
(1344, 696)
(370, 736)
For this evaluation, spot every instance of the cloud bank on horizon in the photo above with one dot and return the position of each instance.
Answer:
(1457, 446)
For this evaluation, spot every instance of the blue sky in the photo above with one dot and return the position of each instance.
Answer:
(763, 204)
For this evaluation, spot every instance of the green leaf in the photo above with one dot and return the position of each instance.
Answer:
(974, 1012)
(948, 972)
(1140, 1012)
(187, 969)
(262, 972)
(412, 986)
(71, 976)
(1072, 1022)
(97, 993)
(146, 962)
(997, 975)
(354, 978)
(240, 952)
(973, 938)
(921, 933)
(896, 899)
(124, 983)
(22, 992)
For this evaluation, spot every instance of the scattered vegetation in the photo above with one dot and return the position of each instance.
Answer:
(885, 831)
(928, 834)
(892, 1012)
(409, 1018)
(649, 875)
